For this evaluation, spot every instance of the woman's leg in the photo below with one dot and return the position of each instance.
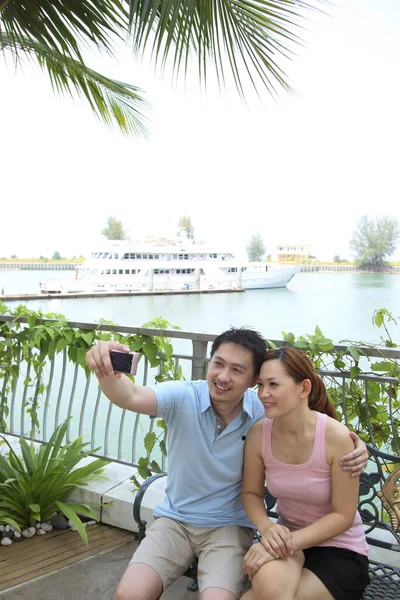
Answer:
(278, 579)
(312, 588)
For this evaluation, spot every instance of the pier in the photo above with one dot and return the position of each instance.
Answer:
(26, 297)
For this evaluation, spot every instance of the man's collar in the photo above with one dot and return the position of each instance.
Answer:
(247, 406)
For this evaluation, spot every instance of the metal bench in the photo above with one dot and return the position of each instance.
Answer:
(379, 506)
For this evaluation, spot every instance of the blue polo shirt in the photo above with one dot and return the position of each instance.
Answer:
(205, 464)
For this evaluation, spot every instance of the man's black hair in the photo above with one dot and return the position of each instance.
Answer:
(247, 338)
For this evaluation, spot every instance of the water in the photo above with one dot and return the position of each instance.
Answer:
(341, 304)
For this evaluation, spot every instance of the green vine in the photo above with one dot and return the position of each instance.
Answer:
(45, 334)
(363, 405)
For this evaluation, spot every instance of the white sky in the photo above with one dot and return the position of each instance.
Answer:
(304, 168)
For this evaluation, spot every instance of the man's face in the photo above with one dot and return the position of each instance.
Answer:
(230, 373)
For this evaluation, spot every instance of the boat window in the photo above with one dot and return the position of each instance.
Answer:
(107, 271)
(114, 271)
(93, 271)
(126, 271)
(105, 255)
(175, 256)
(138, 256)
(121, 271)
(156, 256)
(150, 257)
(180, 257)
(186, 256)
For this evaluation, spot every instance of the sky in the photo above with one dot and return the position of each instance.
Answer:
(303, 168)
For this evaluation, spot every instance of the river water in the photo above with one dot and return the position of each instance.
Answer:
(341, 304)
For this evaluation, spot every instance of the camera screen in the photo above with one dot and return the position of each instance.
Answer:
(121, 361)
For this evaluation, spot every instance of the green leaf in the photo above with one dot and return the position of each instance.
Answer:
(378, 318)
(384, 366)
(355, 372)
(155, 467)
(354, 353)
(163, 447)
(71, 514)
(10, 522)
(61, 344)
(149, 441)
(288, 337)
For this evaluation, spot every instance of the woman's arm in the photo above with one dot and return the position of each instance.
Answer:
(278, 540)
(344, 493)
(355, 462)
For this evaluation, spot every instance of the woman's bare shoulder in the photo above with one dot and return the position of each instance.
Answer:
(337, 437)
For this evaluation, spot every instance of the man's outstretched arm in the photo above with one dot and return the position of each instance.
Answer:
(118, 388)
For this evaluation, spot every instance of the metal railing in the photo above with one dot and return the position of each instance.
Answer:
(118, 434)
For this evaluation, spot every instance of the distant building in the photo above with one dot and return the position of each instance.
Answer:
(294, 252)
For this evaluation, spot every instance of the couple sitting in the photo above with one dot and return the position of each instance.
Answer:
(317, 551)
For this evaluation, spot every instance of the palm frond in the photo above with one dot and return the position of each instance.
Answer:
(63, 25)
(113, 102)
(250, 36)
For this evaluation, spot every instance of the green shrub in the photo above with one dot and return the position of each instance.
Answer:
(37, 484)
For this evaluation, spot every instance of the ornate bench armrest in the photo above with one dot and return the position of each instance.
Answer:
(138, 503)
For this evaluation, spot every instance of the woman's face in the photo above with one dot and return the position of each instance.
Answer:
(278, 392)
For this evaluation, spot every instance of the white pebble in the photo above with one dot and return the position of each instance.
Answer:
(47, 526)
(17, 534)
(32, 530)
(70, 523)
(92, 523)
(27, 533)
(6, 541)
(7, 528)
(73, 528)
(40, 532)
(38, 525)
(1, 528)
(12, 529)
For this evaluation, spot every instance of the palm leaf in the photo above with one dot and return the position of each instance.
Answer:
(247, 35)
(64, 25)
(112, 101)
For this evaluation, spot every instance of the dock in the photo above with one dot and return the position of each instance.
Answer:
(26, 297)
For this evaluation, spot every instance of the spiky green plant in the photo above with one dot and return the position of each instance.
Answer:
(37, 484)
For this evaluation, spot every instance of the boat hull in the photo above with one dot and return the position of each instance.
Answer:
(270, 280)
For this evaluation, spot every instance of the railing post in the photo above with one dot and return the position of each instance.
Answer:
(199, 359)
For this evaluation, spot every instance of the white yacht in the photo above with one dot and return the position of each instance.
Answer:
(167, 264)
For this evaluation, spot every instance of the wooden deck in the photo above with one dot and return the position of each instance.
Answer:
(25, 560)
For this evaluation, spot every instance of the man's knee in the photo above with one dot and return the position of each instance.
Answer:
(139, 582)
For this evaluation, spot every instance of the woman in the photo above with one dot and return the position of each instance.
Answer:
(318, 550)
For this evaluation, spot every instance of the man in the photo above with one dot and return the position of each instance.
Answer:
(202, 514)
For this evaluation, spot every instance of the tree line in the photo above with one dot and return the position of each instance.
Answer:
(372, 242)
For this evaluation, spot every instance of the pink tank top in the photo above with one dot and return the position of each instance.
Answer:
(304, 491)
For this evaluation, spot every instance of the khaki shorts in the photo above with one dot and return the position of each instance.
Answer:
(170, 548)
